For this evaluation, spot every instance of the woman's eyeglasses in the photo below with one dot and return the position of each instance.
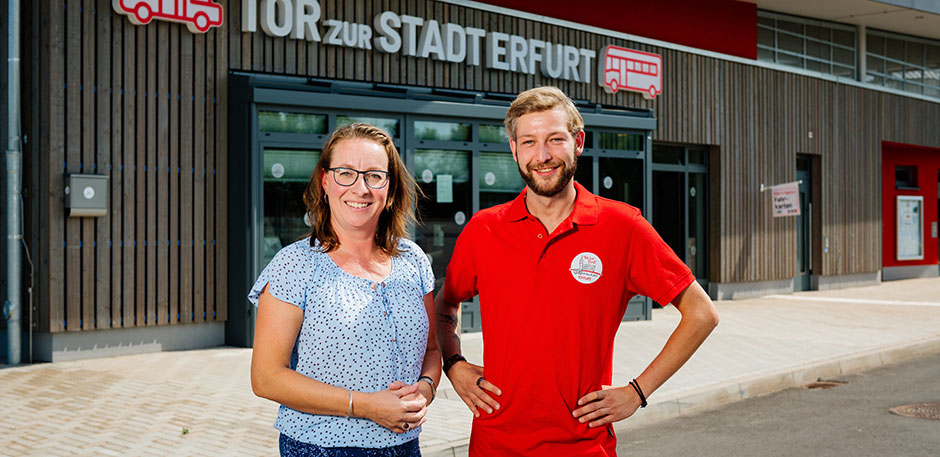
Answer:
(375, 179)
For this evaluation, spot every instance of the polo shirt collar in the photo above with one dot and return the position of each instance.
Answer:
(584, 213)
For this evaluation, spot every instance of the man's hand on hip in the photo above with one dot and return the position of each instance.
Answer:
(473, 388)
(603, 407)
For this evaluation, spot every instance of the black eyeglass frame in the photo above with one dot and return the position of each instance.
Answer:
(359, 173)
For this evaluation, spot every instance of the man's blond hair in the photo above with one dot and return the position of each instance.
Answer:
(542, 99)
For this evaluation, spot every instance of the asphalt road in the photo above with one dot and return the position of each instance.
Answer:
(848, 420)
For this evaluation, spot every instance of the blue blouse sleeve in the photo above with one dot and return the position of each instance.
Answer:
(425, 273)
(284, 276)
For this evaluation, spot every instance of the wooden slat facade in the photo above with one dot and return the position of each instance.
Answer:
(144, 105)
(147, 105)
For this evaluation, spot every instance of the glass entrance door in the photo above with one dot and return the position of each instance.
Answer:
(612, 167)
(680, 203)
(803, 227)
(286, 174)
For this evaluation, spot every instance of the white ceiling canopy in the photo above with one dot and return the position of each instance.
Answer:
(912, 17)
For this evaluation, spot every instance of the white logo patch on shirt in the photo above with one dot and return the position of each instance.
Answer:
(586, 267)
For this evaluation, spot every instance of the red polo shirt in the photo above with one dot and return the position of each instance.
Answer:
(550, 306)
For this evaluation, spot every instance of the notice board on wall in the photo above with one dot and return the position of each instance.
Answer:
(910, 227)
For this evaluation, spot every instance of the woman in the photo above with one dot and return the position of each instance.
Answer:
(344, 338)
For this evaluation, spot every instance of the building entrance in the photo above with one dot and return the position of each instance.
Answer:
(680, 203)
(804, 227)
(456, 150)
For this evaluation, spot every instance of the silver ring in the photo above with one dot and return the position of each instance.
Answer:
(406, 426)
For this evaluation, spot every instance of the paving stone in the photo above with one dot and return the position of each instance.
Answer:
(139, 404)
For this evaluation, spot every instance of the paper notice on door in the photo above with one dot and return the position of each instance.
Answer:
(445, 188)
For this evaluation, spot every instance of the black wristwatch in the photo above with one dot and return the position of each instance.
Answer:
(450, 361)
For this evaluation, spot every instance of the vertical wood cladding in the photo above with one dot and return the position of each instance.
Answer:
(146, 105)
(141, 105)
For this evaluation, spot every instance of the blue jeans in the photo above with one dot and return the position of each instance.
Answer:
(293, 448)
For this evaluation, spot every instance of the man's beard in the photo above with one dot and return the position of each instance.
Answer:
(565, 173)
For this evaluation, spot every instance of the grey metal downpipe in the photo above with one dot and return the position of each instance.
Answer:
(13, 309)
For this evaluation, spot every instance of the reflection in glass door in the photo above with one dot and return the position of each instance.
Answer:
(680, 203)
(697, 239)
(286, 174)
(621, 179)
(442, 170)
(444, 177)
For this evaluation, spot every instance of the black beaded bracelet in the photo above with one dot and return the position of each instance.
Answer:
(451, 361)
(636, 387)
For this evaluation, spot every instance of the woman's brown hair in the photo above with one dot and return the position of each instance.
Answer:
(399, 207)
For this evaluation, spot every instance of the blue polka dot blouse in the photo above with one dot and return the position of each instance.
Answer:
(357, 334)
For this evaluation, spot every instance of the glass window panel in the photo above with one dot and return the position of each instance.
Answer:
(493, 134)
(817, 49)
(815, 31)
(932, 77)
(287, 122)
(821, 67)
(914, 74)
(697, 156)
(765, 55)
(843, 56)
(905, 176)
(387, 124)
(843, 37)
(894, 49)
(588, 139)
(876, 64)
(894, 69)
(894, 83)
(584, 175)
(289, 165)
(620, 141)
(914, 54)
(439, 161)
(933, 57)
(499, 179)
(768, 21)
(843, 71)
(787, 59)
(790, 43)
(875, 79)
(442, 131)
(765, 37)
(793, 27)
(621, 179)
(697, 242)
(444, 176)
(286, 174)
(674, 155)
(876, 45)
(932, 92)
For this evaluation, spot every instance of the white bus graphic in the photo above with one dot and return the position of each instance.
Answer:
(631, 70)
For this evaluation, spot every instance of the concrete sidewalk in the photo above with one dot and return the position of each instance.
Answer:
(199, 403)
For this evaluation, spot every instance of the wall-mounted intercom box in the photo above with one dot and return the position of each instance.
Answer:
(86, 195)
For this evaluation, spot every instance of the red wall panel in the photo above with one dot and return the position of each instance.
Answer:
(725, 26)
(927, 161)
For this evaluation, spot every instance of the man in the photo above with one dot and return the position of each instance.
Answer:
(554, 270)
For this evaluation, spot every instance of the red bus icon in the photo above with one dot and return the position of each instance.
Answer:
(631, 70)
(198, 15)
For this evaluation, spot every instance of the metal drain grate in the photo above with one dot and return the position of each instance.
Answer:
(918, 410)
